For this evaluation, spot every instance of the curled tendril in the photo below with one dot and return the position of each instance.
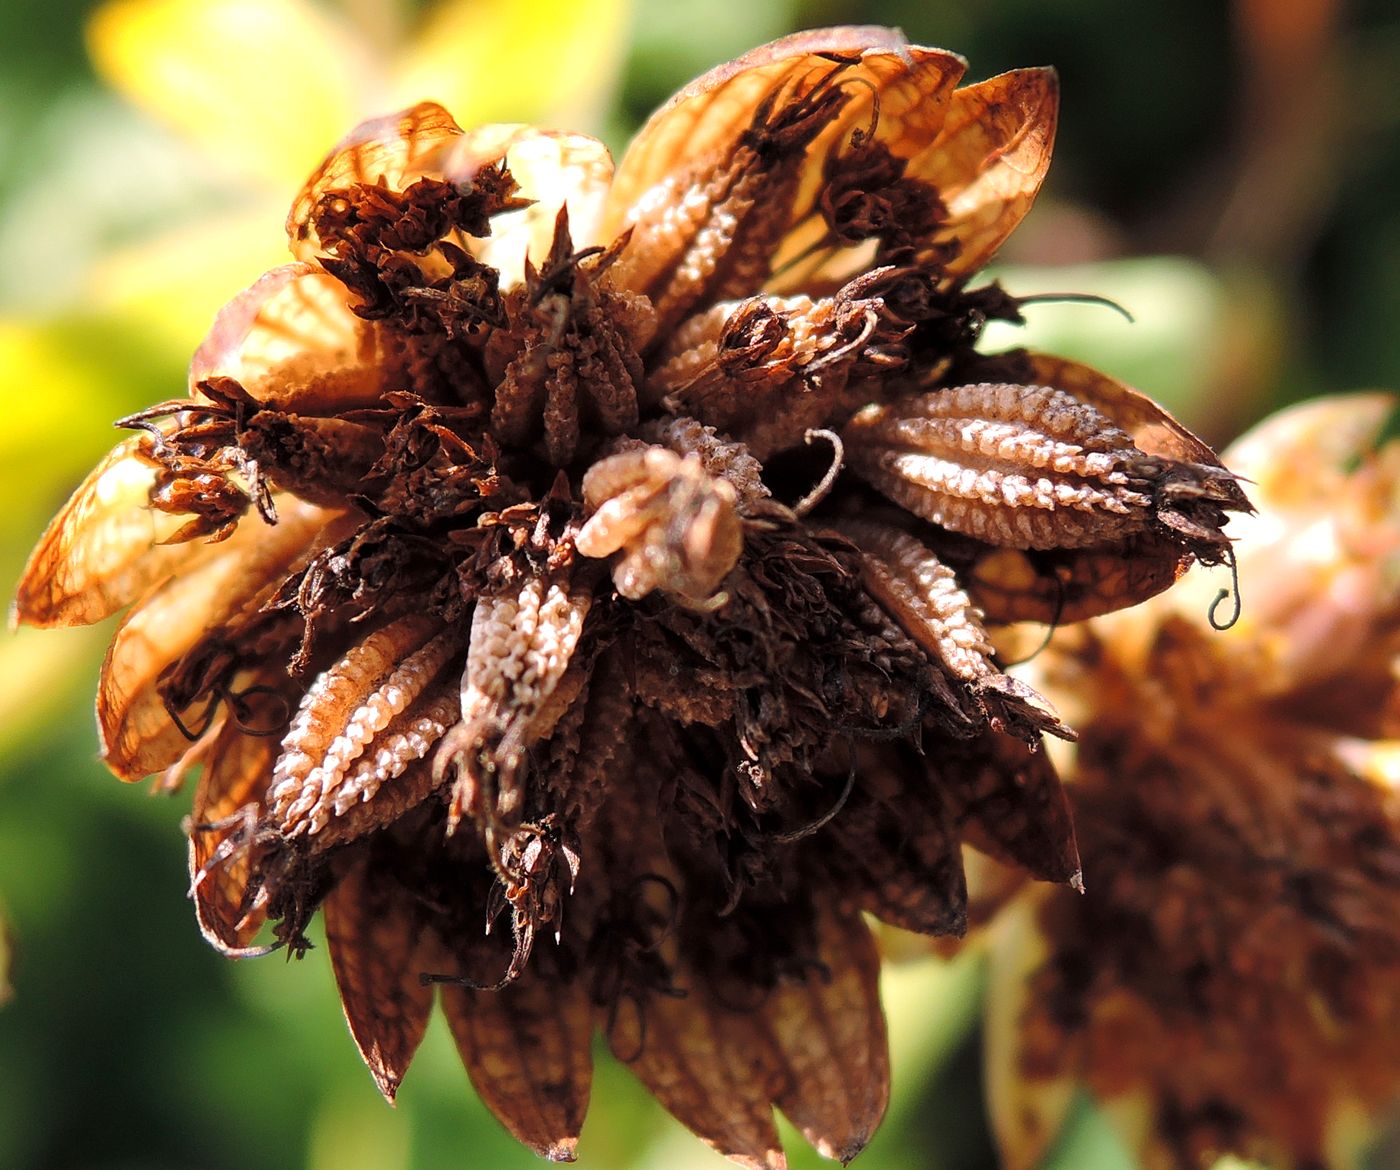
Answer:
(1051, 627)
(797, 834)
(1232, 593)
(828, 479)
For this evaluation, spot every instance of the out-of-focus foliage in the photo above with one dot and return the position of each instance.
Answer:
(1226, 172)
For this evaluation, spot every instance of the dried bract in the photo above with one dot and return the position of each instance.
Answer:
(515, 566)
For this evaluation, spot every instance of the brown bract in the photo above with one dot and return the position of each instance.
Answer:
(579, 585)
(1231, 981)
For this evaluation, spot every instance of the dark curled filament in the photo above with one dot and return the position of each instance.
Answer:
(1233, 593)
(1076, 299)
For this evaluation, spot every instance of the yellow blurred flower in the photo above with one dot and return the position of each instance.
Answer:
(1230, 981)
(260, 86)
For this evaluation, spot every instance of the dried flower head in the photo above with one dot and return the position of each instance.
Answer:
(1231, 981)
(574, 584)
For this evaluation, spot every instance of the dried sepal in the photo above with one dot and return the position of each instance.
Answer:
(1011, 805)
(829, 1033)
(378, 951)
(527, 1050)
(292, 342)
(705, 1062)
(104, 548)
(675, 524)
(897, 841)
(987, 163)
(226, 849)
(1152, 429)
(1059, 586)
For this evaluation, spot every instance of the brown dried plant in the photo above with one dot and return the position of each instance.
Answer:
(574, 583)
(1231, 982)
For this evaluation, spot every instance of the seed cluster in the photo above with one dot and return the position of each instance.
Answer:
(544, 558)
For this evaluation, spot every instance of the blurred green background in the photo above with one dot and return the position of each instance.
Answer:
(1226, 171)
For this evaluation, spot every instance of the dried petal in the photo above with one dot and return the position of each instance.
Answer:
(377, 952)
(138, 734)
(829, 1033)
(527, 1050)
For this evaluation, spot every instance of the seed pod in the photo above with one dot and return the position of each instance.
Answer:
(924, 596)
(515, 686)
(1016, 466)
(345, 715)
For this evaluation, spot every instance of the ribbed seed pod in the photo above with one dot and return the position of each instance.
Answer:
(1018, 466)
(924, 597)
(521, 646)
(375, 684)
